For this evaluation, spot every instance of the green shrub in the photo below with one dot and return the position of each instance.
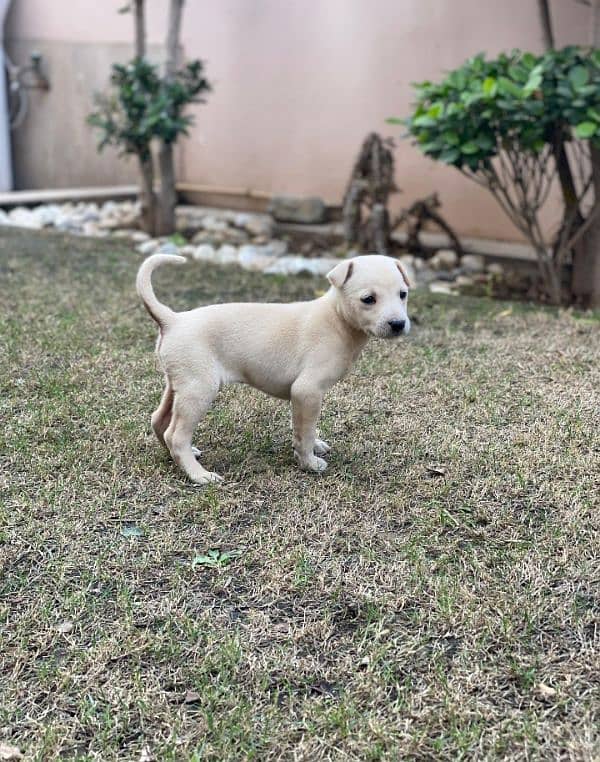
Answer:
(504, 123)
(516, 101)
(141, 105)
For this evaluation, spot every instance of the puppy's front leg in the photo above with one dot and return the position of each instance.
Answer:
(306, 408)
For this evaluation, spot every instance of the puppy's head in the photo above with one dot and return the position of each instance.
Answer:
(372, 295)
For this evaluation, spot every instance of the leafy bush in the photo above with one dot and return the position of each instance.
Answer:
(504, 123)
(515, 101)
(142, 105)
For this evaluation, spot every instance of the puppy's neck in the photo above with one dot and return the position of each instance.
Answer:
(351, 332)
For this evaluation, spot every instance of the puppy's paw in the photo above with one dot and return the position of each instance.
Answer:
(207, 477)
(321, 447)
(312, 463)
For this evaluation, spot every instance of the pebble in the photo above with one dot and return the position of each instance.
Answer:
(274, 248)
(444, 259)
(205, 253)
(168, 247)
(440, 287)
(463, 280)
(148, 247)
(226, 254)
(496, 269)
(472, 263)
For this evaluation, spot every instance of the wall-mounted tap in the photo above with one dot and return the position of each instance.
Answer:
(20, 80)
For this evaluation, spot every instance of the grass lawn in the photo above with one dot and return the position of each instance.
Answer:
(386, 609)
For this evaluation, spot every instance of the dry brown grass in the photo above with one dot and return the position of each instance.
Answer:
(381, 611)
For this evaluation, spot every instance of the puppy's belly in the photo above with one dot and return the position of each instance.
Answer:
(272, 385)
(276, 384)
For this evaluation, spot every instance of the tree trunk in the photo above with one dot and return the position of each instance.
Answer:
(585, 282)
(592, 238)
(586, 259)
(140, 29)
(147, 195)
(168, 194)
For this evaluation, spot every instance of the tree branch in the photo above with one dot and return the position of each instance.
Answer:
(546, 22)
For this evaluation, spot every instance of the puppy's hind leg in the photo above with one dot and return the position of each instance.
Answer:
(161, 417)
(190, 403)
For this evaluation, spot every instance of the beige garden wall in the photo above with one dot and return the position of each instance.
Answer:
(297, 86)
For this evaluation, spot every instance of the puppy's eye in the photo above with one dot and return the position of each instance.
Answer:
(403, 294)
(368, 299)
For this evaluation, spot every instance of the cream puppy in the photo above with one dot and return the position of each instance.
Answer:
(292, 351)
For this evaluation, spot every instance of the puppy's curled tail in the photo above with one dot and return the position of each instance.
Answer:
(143, 283)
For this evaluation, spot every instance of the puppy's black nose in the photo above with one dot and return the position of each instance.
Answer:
(397, 326)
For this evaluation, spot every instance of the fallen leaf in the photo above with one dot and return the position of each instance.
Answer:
(9, 752)
(436, 470)
(145, 755)
(545, 691)
(504, 313)
(131, 531)
(191, 697)
(65, 627)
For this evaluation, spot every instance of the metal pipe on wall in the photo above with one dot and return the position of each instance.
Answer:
(6, 174)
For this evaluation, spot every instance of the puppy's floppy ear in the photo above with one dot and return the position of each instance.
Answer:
(340, 274)
(404, 275)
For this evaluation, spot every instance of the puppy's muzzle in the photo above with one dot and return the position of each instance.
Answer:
(397, 327)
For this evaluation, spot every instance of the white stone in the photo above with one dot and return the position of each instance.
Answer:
(472, 263)
(241, 220)
(321, 265)
(259, 225)
(205, 253)
(233, 235)
(293, 265)
(168, 247)
(4, 218)
(24, 218)
(109, 208)
(250, 258)
(227, 254)
(147, 247)
(214, 224)
(441, 287)
(46, 214)
(90, 228)
(274, 248)
(89, 215)
(138, 236)
(463, 280)
(444, 259)
(187, 250)
(495, 268)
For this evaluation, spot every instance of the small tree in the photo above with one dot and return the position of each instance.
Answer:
(142, 108)
(501, 122)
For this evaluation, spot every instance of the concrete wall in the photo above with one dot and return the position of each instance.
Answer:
(297, 86)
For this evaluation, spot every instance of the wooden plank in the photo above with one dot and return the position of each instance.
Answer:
(61, 195)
